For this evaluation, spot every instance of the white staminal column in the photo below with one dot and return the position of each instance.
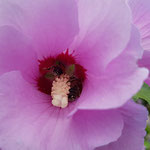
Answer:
(60, 91)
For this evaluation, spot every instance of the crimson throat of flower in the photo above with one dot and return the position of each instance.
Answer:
(61, 78)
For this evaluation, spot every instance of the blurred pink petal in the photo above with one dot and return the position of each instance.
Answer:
(134, 129)
(17, 53)
(51, 24)
(141, 18)
(122, 74)
(103, 35)
(145, 62)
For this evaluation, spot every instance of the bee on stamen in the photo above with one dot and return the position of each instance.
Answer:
(75, 89)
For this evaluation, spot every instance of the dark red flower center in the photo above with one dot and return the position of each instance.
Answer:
(65, 64)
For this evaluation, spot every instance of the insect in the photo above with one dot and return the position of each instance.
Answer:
(56, 69)
(75, 88)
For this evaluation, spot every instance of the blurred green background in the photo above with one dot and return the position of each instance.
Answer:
(143, 98)
(147, 137)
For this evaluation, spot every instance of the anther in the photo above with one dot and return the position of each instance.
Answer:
(60, 91)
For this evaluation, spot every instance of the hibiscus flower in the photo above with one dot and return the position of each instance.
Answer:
(68, 69)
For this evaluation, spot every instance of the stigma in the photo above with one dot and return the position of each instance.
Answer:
(60, 90)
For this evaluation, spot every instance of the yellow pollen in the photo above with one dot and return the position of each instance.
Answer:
(60, 91)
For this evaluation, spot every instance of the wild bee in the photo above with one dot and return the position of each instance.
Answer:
(75, 88)
(57, 69)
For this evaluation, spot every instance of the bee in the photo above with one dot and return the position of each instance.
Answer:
(75, 88)
(57, 69)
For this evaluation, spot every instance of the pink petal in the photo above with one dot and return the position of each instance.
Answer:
(104, 32)
(52, 24)
(95, 128)
(145, 62)
(120, 81)
(141, 18)
(132, 137)
(11, 14)
(28, 121)
(102, 94)
(16, 53)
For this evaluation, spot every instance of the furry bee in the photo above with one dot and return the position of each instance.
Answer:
(57, 69)
(75, 88)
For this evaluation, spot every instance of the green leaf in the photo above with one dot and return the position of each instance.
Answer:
(143, 94)
(147, 144)
(70, 69)
(148, 129)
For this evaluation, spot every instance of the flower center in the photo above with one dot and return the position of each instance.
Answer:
(62, 78)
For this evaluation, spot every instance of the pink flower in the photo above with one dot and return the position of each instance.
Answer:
(141, 18)
(103, 48)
